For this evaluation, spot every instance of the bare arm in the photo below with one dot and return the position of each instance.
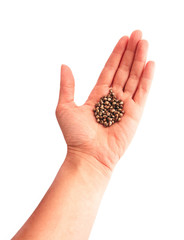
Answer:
(69, 208)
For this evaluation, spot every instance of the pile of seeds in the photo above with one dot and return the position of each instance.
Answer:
(108, 110)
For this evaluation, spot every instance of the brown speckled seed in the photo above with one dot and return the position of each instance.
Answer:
(108, 110)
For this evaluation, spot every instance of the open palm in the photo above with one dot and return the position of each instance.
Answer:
(130, 77)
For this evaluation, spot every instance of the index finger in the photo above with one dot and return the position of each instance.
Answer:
(112, 63)
(106, 77)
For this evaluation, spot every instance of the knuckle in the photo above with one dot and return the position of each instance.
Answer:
(124, 68)
(133, 76)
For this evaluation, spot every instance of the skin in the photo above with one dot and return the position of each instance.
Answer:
(126, 72)
(68, 209)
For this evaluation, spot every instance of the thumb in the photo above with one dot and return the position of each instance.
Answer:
(67, 85)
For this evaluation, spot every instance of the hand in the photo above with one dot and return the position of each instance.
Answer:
(126, 72)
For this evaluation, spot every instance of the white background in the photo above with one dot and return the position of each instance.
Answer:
(145, 197)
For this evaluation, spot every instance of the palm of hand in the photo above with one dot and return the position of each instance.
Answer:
(125, 73)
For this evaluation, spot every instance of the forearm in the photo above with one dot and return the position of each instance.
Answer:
(69, 208)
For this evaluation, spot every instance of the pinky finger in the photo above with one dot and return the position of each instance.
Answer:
(144, 84)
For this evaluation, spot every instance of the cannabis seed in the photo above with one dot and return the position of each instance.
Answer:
(108, 110)
(105, 124)
(110, 123)
(98, 105)
(110, 119)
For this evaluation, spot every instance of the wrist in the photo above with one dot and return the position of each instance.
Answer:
(84, 161)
